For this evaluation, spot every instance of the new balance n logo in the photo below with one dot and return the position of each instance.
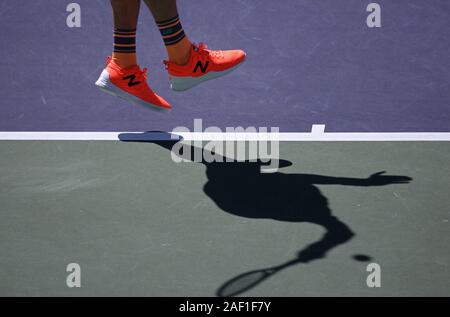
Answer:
(131, 80)
(201, 66)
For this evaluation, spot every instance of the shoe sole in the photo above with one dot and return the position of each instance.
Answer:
(184, 83)
(105, 85)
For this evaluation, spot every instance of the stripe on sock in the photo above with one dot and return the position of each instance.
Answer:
(168, 21)
(129, 31)
(125, 40)
(171, 30)
(175, 39)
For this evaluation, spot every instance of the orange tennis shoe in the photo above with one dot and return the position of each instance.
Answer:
(203, 65)
(129, 84)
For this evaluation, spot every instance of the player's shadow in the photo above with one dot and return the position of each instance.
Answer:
(240, 188)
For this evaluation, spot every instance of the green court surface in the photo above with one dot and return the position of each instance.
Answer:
(138, 223)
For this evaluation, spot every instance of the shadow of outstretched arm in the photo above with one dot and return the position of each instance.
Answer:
(376, 179)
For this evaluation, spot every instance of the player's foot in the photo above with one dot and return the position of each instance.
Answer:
(203, 65)
(129, 84)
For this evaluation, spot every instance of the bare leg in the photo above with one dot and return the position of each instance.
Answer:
(125, 15)
(177, 44)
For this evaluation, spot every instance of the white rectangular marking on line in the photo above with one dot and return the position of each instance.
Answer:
(317, 134)
(318, 129)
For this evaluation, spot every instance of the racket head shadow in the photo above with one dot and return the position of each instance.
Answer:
(244, 282)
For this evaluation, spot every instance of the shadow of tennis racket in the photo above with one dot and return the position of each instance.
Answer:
(248, 280)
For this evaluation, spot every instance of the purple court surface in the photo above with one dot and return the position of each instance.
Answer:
(309, 62)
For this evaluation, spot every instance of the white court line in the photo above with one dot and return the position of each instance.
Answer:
(282, 136)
